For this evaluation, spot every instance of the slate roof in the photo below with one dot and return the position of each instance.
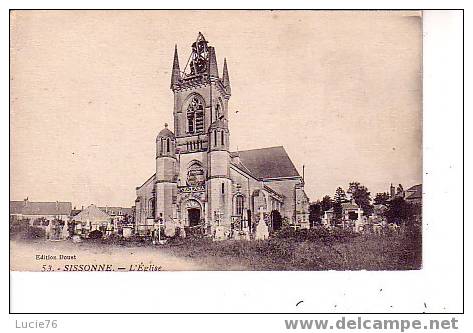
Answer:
(416, 192)
(40, 208)
(273, 162)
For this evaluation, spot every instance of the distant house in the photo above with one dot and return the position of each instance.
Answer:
(50, 216)
(92, 218)
(118, 214)
(40, 213)
(75, 211)
(414, 194)
(351, 213)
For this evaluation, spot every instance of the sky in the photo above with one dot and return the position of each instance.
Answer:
(341, 91)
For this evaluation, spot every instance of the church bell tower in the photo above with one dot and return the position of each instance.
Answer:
(201, 131)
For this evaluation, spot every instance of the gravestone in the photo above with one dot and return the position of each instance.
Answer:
(262, 231)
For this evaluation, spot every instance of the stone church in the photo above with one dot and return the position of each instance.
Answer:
(199, 182)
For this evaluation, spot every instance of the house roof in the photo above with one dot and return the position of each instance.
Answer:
(273, 162)
(26, 207)
(74, 212)
(92, 214)
(349, 205)
(116, 210)
(415, 188)
(416, 192)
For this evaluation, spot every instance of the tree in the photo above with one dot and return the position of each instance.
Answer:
(326, 204)
(96, 234)
(315, 210)
(340, 195)
(398, 211)
(338, 199)
(381, 198)
(362, 196)
(337, 209)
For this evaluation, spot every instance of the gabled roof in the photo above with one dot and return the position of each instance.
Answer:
(26, 207)
(267, 163)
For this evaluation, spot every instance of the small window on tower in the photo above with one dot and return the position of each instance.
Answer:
(168, 148)
(195, 116)
(222, 137)
(215, 138)
(223, 188)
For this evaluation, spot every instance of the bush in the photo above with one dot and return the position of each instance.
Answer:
(96, 234)
(34, 233)
(17, 227)
(319, 234)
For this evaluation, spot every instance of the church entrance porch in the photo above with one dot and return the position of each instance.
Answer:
(193, 216)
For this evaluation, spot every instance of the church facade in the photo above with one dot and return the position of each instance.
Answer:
(199, 182)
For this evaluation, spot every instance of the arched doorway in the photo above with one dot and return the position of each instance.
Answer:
(193, 216)
(193, 211)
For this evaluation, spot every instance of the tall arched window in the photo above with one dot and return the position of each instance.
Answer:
(239, 205)
(222, 138)
(151, 207)
(168, 146)
(195, 116)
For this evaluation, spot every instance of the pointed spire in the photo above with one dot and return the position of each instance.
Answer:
(176, 72)
(226, 78)
(213, 68)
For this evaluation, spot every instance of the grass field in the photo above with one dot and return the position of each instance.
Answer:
(311, 250)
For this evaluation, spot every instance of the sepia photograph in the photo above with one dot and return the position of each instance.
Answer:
(215, 140)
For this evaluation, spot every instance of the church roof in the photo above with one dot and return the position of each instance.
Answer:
(272, 162)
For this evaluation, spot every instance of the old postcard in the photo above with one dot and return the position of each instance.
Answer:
(215, 140)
